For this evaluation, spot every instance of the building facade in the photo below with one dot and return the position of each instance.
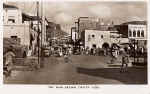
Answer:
(133, 30)
(98, 38)
(24, 27)
(13, 25)
(137, 31)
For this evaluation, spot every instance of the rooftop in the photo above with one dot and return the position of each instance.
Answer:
(27, 17)
(9, 6)
(135, 23)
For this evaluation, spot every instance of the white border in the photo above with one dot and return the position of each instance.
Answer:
(38, 89)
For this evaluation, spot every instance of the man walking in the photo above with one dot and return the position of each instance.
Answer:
(125, 61)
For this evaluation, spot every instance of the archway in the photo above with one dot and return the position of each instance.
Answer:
(105, 45)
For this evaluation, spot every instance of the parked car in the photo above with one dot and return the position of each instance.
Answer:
(47, 52)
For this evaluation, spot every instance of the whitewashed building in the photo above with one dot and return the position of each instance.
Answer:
(13, 25)
(23, 27)
(97, 38)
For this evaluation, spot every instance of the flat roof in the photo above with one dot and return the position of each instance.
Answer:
(9, 6)
(135, 23)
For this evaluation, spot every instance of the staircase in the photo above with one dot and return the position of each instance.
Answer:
(26, 64)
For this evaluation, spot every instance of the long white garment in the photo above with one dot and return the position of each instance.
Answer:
(29, 53)
(9, 57)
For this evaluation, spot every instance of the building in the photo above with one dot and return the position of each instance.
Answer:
(55, 35)
(19, 25)
(133, 30)
(92, 23)
(99, 38)
(95, 32)
(13, 25)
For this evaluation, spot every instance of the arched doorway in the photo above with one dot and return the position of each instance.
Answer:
(105, 45)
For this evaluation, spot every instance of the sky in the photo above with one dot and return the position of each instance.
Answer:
(66, 13)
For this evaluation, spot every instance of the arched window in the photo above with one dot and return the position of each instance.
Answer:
(134, 33)
(130, 33)
(138, 33)
(142, 33)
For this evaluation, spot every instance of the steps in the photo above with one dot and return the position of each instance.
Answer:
(29, 63)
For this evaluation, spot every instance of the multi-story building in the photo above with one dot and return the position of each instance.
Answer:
(133, 30)
(24, 27)
(55, 35)
(109, 34)
(13, 25)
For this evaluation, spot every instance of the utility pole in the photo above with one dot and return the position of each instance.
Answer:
(71, 34)
(42, 32)
(41, 28)
(37, 6)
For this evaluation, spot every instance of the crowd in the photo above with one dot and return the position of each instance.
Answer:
(114, 50)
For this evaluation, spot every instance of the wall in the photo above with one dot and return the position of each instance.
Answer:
(21, 31)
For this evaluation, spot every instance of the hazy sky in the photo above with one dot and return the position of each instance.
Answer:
(66, 13)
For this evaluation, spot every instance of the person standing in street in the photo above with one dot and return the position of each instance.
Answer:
(8, 62)
(125, 61)
(67, 56)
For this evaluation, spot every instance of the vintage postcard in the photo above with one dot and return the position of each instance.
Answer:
(66, 43)
(75, 43)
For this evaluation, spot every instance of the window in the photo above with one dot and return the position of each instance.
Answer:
(3, 18)
(94, 45)
(142, 33)
(138, 33)
(89, 37)
(11, 20)
(130, 33)
(102, 36)
(93, 36)
(134, 33)
(13, 36)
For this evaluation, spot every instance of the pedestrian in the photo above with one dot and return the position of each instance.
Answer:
(8, 62)
(87, 50)
(91, 51)
(98, 51)
(94, 51)
(125, 61)
(104, 51)
(60, 52)
(67, 57)
(70, 51)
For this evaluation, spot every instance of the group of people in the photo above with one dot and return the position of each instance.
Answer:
(93, 51)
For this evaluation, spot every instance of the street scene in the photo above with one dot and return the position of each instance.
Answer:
(66, 43)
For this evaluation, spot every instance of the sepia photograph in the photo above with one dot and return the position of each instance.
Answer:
(75, 43)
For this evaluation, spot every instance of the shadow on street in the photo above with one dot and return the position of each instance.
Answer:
(133, 76)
